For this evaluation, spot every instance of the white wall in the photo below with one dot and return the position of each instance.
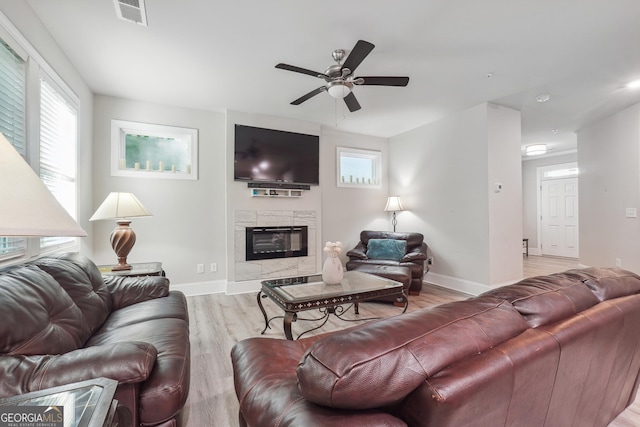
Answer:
(348, 211)
(530, 194)
(188, 226)
(441, 171)
(609, 162)
(22, 17)
(505, 204)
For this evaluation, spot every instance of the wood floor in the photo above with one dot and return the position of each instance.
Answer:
(219, 321)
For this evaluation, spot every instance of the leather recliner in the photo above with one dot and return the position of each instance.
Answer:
(414, 259)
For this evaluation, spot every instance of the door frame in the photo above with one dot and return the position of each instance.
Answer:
(540, 171)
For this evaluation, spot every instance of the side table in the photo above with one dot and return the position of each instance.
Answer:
(137, 270)
(82, 404)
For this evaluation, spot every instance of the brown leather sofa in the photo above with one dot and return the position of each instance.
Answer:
(414, 258)
(558, 350)
(63, 323)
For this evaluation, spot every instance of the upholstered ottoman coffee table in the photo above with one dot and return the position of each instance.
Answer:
(396, 273)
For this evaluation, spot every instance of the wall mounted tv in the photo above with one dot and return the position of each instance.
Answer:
(273, 156)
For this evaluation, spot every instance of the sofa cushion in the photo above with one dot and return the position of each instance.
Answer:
(82, 281)
(547, 299)
(386, 249)
(379, 363)
(38, 316)
(609, 283)
(163, 395)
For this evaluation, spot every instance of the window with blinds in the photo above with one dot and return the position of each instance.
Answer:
(49, 143)
(12, 124)
(58, 141)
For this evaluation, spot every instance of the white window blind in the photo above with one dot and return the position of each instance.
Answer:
(12, 124)
(58, 140)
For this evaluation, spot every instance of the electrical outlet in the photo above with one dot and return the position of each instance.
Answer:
(618, 262)
(213, 267)
(200, 268)
(430, 261)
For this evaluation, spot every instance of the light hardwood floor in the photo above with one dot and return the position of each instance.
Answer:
(219, 321)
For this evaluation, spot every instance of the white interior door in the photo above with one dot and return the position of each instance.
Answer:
(559, 217)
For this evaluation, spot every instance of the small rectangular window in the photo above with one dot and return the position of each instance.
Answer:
(153, 151)
(359, 168)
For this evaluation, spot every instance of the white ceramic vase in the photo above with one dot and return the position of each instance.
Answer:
(332, 271)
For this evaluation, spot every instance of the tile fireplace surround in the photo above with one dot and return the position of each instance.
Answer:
(273, 268)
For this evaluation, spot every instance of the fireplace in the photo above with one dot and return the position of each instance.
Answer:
(276, 242)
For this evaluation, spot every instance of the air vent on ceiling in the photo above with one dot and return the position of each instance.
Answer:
(132, 11)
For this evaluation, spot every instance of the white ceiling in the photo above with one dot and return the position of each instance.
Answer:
(216, 55)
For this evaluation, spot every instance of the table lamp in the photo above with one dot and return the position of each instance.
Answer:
(121, 206)
(394, 205)
(27, 207)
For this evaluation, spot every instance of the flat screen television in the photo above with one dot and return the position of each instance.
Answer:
(274, 156)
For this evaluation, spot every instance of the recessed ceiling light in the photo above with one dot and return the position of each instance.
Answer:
(543, 97)
(554, 131)
(634, 84)
(536, 149)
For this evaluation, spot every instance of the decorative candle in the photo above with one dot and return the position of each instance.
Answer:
(188, 169)
(350, 178)
(123, 164)
(173, 168)
(136, 166)
(161, 166)
(148, 165)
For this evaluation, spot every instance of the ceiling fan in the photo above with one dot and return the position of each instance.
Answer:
(339, 76)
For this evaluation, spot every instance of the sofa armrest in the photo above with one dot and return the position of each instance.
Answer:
(127, 363)
(416, 254)
(130, 290)
(359, 252)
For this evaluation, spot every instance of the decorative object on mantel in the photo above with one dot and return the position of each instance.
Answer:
(120, 206)
(28, 207)
(394, 205)
(332, 271)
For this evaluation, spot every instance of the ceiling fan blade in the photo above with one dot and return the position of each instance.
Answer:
(357, 55)
(301, 70)
(309, 95)
(352, 102)
(385, 81)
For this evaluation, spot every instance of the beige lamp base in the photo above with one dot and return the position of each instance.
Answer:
(122, 240)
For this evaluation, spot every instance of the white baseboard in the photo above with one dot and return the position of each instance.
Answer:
(201, 288)
(217, 287)
(460, 285)
(244, 287)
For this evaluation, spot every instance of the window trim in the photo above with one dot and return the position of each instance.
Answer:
(376, 158)
(120, 128)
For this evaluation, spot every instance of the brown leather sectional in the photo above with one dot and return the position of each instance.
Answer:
(63, 323)
(557, 350)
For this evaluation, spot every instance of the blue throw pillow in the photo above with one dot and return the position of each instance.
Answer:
(386, 249)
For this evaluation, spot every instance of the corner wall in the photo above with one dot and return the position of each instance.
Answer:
(444, 172)
(609, 162)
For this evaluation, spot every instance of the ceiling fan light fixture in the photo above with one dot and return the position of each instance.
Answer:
(338, 90)
(536, 149)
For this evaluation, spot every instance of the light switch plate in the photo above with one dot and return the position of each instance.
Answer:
(632, 213)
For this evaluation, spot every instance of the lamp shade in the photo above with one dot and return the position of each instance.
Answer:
(27, 207)
(120, 205)
(393, 204)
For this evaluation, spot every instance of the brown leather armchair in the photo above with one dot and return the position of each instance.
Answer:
(414, 258)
